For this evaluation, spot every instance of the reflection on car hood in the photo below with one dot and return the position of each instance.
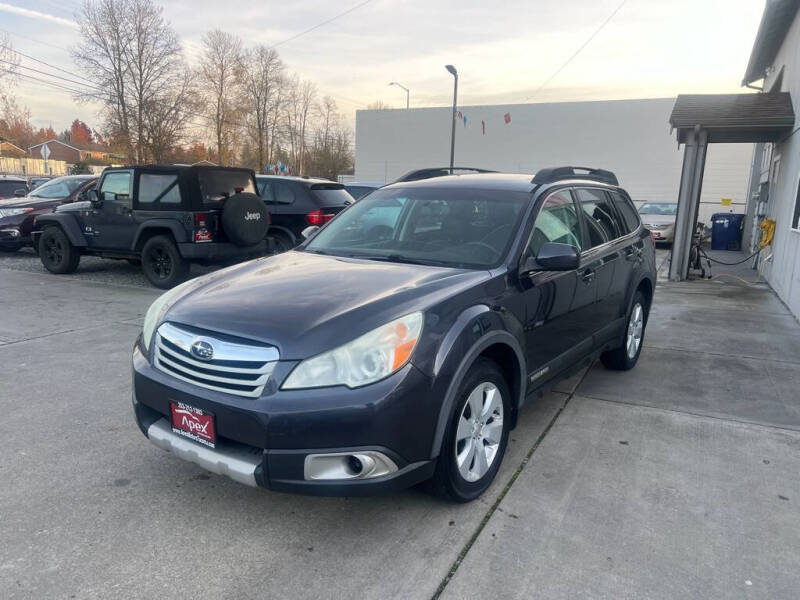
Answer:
(74, 206)
(306, 304)
(657, 219)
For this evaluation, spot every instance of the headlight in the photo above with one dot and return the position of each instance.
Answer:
(365, 360)
(160, 307)
(11, 212)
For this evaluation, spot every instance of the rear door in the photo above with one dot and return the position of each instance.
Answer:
(602, 230)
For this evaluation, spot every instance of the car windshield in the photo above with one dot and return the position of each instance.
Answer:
(658, 208)
(7, 188)
(460, 228)
(217, 184)
(58, 188)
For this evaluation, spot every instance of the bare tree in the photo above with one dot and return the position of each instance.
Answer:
(169, 116)
(220, 76)
(263, 76)
(300, 102)
(130, 51)
(9, 61)
(378, 105)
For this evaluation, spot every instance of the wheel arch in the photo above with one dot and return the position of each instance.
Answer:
(67, 224)
(158, 227)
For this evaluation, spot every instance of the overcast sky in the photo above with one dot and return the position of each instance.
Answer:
(504, 50)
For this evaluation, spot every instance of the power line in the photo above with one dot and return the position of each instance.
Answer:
(46, 73)
(579, 50)
(318, 25)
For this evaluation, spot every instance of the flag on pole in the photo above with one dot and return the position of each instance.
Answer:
(483, 125)
(465, 120)
(507, 118)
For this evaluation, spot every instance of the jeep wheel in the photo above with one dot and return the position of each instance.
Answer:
(282, 242)
(477, 435)
(56, 252)
(162, 264)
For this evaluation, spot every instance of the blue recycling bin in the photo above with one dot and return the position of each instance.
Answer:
(726, 231)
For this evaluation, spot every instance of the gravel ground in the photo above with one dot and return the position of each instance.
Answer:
(98, 270)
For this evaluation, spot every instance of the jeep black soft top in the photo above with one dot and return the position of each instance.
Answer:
(162, 215)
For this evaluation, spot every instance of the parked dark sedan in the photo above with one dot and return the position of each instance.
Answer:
(17, 215)
(372, 358)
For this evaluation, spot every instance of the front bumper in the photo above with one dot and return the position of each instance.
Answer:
(266, 441)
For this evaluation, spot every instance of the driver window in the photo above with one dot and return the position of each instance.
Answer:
(557, 222)
(116, 187)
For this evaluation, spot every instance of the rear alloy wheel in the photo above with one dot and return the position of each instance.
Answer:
(162, 264)
(56, 252)
(476, 438)
(626, 356)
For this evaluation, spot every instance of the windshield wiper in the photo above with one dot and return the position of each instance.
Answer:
(398, 258)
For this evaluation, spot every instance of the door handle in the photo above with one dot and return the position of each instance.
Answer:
(587, 276)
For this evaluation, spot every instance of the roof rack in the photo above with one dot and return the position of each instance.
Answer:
(432, 172)
(552, 174)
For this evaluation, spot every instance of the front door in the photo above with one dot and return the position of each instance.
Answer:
(110, 225)
(554, 337)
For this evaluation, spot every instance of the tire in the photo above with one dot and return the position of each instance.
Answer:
(245, 219)
(10, 247)
(626, 356)
(56, 252)
(283, 242)
(162, 264)
(459, 475)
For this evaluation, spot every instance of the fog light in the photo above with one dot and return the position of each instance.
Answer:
(348, 465)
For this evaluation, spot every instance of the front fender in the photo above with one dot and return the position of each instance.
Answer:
(476, 329)
(68, 225)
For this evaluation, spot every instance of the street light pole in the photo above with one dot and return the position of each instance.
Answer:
(406, 89)
(452, 70)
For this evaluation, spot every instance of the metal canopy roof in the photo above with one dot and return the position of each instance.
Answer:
(775, 22)
(734, 117)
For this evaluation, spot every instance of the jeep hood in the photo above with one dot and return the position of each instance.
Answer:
(306, 303)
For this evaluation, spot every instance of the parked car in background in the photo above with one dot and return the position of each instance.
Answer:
(659, 218)
(298, 202)
(17, 216)
(360, 189)
(12, 187)
(164, 217)
(34, 182)
(355, 364)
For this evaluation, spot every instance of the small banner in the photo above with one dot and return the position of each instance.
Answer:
(507, 118)
(483, 125)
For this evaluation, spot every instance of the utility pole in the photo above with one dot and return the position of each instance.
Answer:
(452, 70)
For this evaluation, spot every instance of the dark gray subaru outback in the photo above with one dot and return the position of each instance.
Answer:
(400, 341)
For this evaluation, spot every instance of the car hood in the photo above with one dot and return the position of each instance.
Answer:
(306, 303)
(657, 219)
(31, 201)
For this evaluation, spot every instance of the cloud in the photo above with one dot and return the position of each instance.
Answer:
(35, 14)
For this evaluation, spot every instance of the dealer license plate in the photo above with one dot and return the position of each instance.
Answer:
(193, 423)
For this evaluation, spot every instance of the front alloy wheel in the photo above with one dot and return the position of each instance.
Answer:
(480, 429)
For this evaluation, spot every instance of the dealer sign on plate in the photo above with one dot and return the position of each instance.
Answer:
(193, 423)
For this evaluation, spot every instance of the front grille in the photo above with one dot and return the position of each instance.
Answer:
(234, 368)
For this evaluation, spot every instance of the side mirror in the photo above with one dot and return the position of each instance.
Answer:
(553, 256)
(309, 231)
(95, 198)
(20, 193)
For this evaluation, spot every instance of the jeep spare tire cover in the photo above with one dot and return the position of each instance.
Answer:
(245, 219)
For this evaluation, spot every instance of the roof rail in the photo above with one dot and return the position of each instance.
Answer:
(552, 174)
(431, 172)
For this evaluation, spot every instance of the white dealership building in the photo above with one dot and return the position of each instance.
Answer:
(630, 137)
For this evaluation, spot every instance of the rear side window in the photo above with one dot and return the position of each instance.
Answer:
(216, 185)
(282, 192)
(265, 190)
(330, 194)
(628, 212)
(7, 188)
(601, 221)
(159, 188)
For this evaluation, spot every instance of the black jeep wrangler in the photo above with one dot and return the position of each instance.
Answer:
(162, 216)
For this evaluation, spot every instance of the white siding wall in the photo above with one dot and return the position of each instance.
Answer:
(784, 274)
(630, 137)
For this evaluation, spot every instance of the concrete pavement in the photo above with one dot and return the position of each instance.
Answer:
(677, 479)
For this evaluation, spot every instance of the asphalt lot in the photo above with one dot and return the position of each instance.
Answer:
(678, 479)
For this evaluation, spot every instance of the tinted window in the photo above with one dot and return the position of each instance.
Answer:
(558, 222)
(626, 209)
(601, 222)
(116, 183)
(7, 188)
(456, 228)
(159, 187)
(330, 195)
(216, 185)
(282, 192)
(264, 189)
